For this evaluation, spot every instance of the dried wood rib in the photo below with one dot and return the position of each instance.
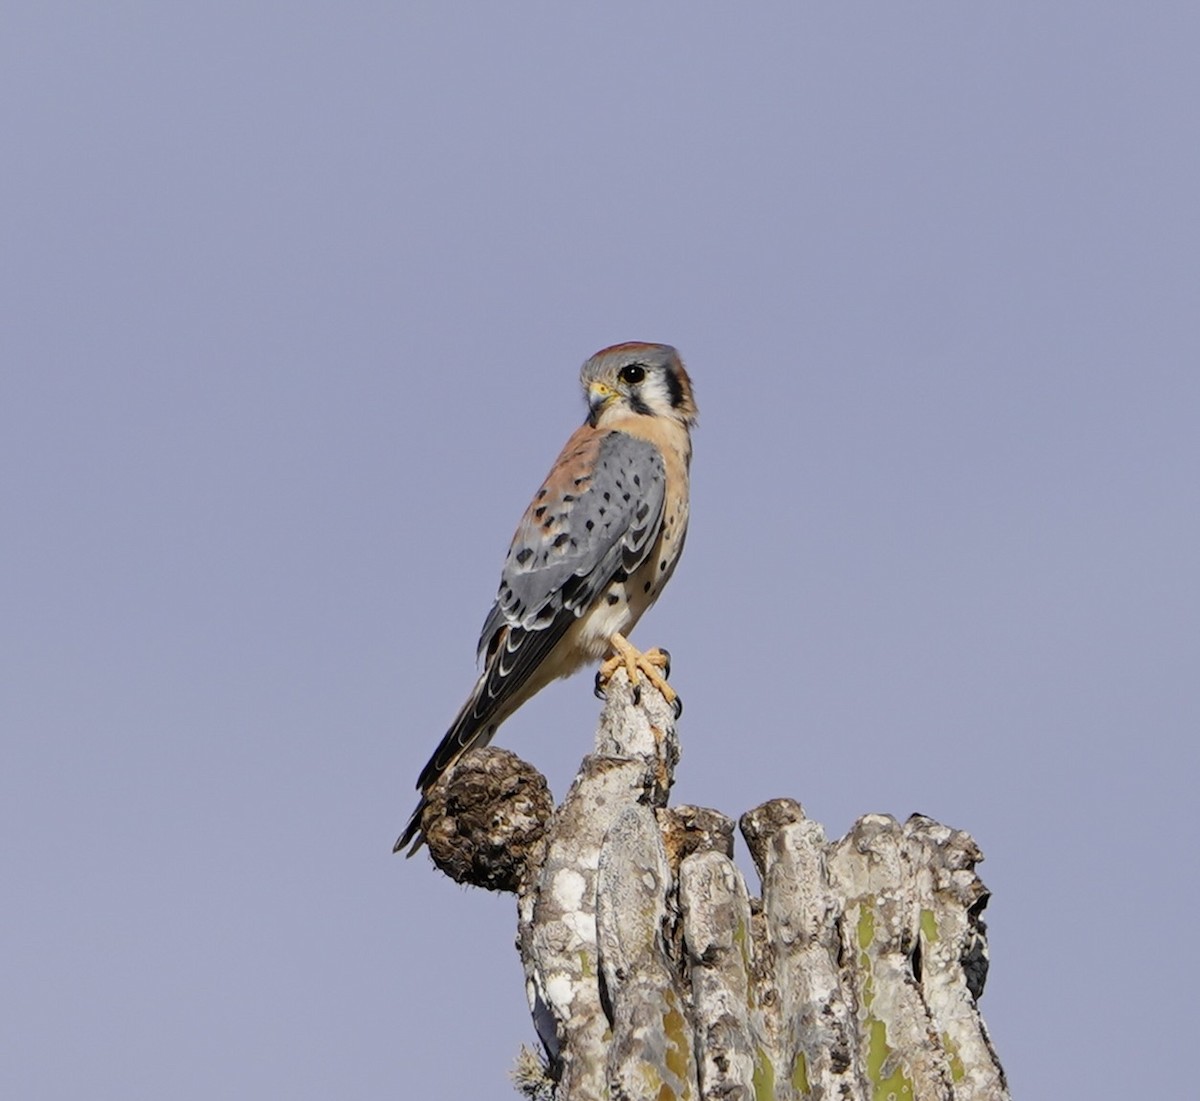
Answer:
(652, 972)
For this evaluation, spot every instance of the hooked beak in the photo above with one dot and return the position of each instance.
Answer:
(598, 396)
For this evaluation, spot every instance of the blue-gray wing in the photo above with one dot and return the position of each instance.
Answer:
(595, 516)
(594, 519)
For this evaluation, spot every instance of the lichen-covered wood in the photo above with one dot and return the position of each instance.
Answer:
(636, 752)
(650, 1052)
(653, 974)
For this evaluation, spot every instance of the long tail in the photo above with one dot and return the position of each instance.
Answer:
(470, 730)
(412, 830)
(514, 671)
(481, 737)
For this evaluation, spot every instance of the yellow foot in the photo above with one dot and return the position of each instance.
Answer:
(637, 665)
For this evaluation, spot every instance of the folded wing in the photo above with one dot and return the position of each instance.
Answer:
(593, 521)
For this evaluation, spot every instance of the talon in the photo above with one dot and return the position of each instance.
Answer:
(638, 666)
(660, 659)
(604, 675)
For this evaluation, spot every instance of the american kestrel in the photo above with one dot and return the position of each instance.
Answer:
(594, 549)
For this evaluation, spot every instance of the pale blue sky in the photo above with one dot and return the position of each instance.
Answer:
(294, 299)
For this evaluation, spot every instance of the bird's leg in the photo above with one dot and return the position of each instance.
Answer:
(637, 665)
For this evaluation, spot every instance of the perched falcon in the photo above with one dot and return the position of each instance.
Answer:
(594, 549)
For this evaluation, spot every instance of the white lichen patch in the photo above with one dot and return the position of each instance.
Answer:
(582, 925)
(560, 989)
(568, 888)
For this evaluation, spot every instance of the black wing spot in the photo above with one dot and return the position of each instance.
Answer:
(561, 540)
(524, 555)
(540, 511)
(541, 493)
(613, 598)
(590, 525)
(646, 587)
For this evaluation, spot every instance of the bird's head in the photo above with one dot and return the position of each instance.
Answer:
(646, 379)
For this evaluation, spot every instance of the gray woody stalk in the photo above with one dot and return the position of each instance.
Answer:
(651, 972)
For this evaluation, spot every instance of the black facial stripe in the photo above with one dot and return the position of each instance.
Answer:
(674, 388)
(637, 405)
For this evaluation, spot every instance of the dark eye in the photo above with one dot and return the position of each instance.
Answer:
(633, 374)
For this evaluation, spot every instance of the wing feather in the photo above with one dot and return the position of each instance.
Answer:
(594, 519)
(575, 537)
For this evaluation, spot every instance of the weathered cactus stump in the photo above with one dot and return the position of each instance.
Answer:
(652, 973)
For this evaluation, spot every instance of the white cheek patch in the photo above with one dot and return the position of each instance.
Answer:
(655, 394)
